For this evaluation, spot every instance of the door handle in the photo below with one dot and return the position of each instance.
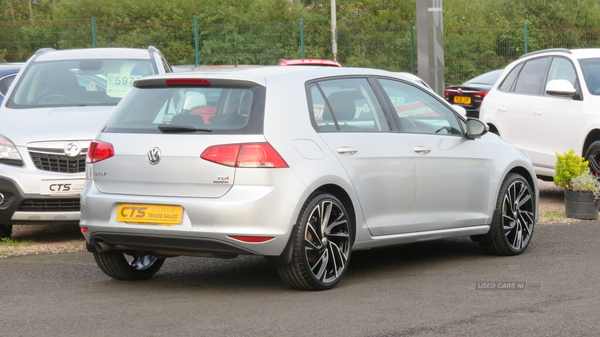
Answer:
(421, 149)
(502, 109)
(537, 111)
(346, 150)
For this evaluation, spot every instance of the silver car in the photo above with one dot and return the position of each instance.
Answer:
(301, 165)
(57, 104)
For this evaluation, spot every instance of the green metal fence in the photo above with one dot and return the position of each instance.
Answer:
(468, 52)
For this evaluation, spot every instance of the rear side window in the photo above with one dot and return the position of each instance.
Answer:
(348, 105)
(509, 81)
(209, 110)
(532, 77)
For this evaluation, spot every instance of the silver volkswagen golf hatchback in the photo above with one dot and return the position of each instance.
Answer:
(300, 165)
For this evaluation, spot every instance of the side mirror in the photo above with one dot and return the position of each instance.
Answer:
(476, 128)
(562, 88)
(459, 109)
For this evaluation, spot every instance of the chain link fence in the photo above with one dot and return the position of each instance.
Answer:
(468, 52)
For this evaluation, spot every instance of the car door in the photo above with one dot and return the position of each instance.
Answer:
(558, 118)
(519, 105)
(453, 172)
(378, 160)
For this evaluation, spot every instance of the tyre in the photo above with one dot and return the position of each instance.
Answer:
(5, 231)
(512, 225)
(592, 155)
(122, 266)
(322, 245)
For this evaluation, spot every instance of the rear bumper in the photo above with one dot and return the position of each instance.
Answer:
(208, 225)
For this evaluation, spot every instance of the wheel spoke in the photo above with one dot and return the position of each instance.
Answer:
(312, 238)
(141, 263)
(326, 207)
(321, 264)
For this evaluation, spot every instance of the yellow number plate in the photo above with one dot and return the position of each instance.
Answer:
(462, 100)
(150, 214)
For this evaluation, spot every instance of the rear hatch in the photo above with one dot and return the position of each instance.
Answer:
(165, 165)
(154, 141)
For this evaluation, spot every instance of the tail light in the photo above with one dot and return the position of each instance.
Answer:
(99, 151)
(252, 239)
(258, 155)
(479, 94)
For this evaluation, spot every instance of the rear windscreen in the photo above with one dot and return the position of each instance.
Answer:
(207, 109)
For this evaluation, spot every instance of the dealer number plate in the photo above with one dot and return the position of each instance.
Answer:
(462, 100)
(150, 214)
(71, 187)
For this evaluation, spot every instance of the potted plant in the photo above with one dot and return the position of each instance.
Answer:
(582, 189)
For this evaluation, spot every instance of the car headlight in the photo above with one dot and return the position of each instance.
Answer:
(9, 153)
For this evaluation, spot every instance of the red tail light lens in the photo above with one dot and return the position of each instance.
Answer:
(479, 94)
(258, 155)
(252, 239)
(180, 81)
(99, 151)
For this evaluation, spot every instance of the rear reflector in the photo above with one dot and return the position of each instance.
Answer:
(179, 81)
(84, 229)
(254, 155)
(252, 239)
(99, 151)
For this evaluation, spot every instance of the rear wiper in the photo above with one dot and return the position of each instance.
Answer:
(180, 128)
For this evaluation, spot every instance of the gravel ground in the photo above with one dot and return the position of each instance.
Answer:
(51, 239)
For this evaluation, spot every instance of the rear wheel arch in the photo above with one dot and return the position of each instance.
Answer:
(591, 148)
(341, 194)
(591, 137)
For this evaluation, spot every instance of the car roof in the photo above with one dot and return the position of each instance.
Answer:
(306, 62)
(10, 68)
(586, 53)
(260, 74)
(91, 53)
(582, 53)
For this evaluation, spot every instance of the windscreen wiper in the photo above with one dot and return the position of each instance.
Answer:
(180, 128)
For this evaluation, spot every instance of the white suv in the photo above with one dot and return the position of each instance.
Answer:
(546, 102)
(55, 107)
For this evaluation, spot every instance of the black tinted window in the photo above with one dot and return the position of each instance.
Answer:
(211, 109)
(532, 77)
(591, 73)
(508, 82)
(347, 104)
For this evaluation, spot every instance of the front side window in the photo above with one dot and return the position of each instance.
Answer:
(189, 109)
(347, 104)
(77, 82)
(532, 77)
(591, 74)
(562, 69)
(418, 111)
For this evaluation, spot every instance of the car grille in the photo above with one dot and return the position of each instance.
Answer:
(58, 162)
(50, 205)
